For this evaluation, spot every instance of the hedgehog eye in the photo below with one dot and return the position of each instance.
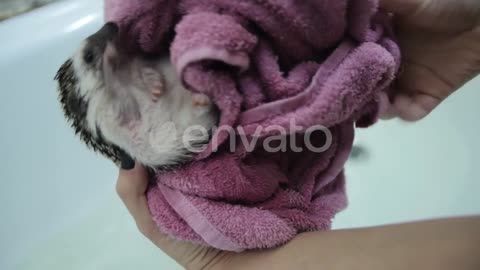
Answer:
(89, 56)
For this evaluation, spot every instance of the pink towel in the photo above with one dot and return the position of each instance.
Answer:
(265, 63)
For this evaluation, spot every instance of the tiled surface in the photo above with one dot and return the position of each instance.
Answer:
(10, 8)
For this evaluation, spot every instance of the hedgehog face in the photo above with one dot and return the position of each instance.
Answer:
(88, 60)
(79, 78)
(128, 104)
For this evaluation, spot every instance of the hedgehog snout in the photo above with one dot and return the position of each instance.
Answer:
(104, 36)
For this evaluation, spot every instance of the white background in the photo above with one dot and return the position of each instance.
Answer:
(58, 206)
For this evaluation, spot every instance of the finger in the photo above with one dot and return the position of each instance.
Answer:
(131, 187)
(389, 114)
(401, 7)
(132, 183)
(414, 107)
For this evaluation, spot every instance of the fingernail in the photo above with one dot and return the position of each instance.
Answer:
(127, 163)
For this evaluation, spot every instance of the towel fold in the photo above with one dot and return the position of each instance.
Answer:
(265, 63)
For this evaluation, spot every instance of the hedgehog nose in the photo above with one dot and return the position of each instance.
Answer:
(108, 32)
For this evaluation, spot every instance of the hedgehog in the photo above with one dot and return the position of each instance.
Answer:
(132, 106)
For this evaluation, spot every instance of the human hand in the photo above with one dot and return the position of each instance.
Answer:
(131, 187)
(440, 43)
(441, 244)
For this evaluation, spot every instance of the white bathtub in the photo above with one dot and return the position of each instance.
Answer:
(58, 206)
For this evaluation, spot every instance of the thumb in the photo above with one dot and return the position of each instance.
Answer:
(131, 187)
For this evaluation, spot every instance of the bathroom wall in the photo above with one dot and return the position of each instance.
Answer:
(10, 8)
